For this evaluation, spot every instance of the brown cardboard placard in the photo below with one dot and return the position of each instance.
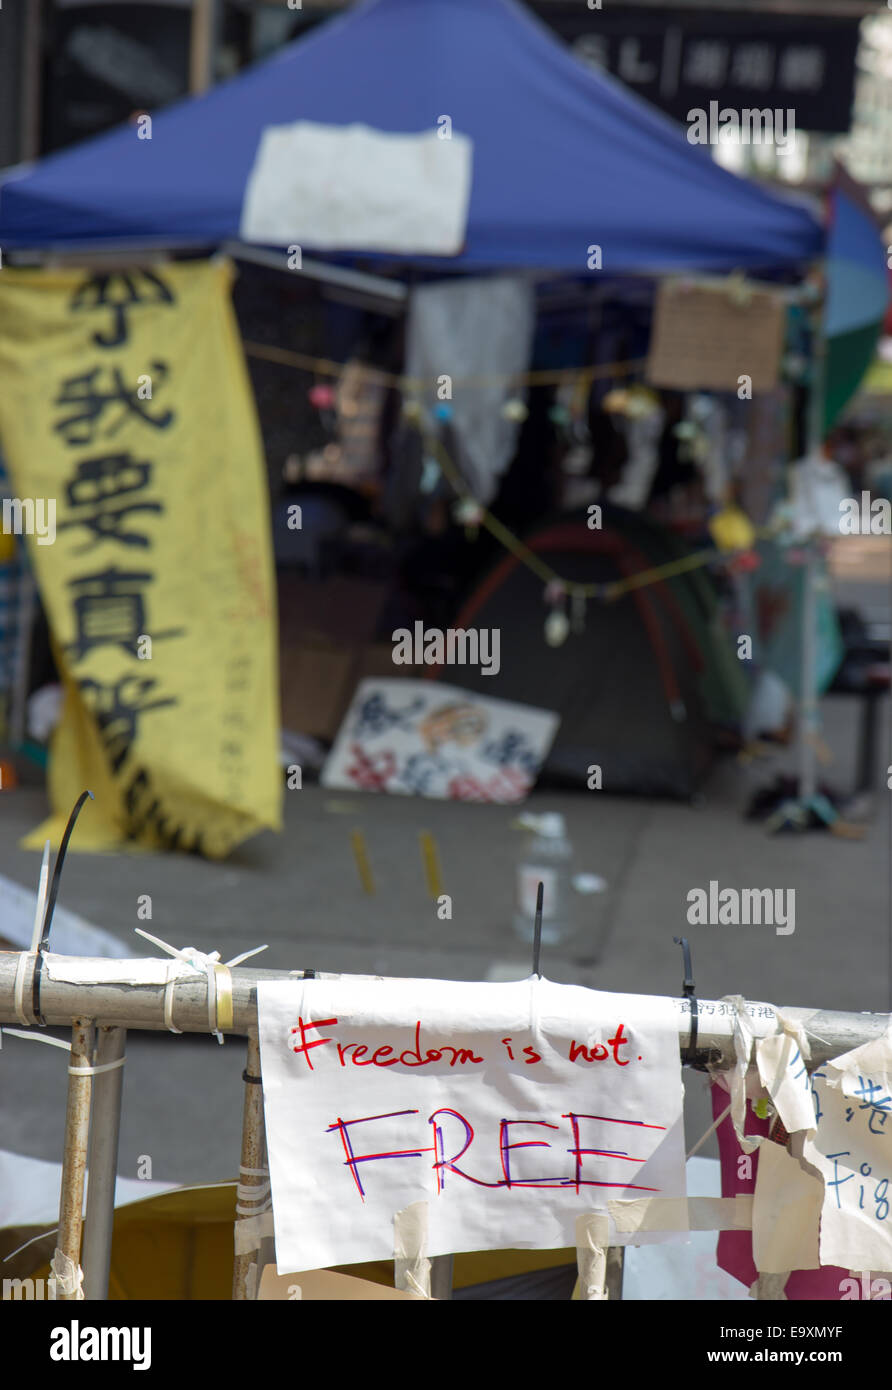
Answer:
(707, 339)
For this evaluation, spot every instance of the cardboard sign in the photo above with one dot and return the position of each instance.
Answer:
(510, 1109)
(705, 339)
(435, 740)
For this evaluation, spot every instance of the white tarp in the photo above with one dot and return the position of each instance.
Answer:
(354, 188)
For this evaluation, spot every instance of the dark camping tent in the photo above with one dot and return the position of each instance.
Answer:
(644, 689)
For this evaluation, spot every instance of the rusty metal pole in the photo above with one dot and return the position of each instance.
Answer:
(253, 1191)
(74, 1158)
(105, 1130)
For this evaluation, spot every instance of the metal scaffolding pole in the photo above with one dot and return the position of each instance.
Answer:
(105, 1128)
(124, 1005)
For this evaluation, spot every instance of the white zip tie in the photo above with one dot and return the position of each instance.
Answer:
(253, 1211)
(19, 991)
(40, 905)
(200, 963)
(95, 1071)
(245, 1193)
(31, 1036)
(703, 1137)
(254, 1172)
(43, 1235)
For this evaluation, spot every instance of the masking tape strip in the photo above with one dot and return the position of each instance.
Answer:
(69, 1277)
(592, 1239)
(251, 1230)
(769, 1288)
(95, 1071)
(682, 1214)
(224, 1011)
(411, 1267)
(19, 995)
(253, 1211)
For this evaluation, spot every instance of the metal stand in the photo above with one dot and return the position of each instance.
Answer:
(251, 1175)
(105, 1129)
(74, 1157)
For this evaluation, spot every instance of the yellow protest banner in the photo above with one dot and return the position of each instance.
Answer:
(129, 431)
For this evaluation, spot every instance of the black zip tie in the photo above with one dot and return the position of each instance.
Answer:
(688, 988)
(537, 931)
(51, 906)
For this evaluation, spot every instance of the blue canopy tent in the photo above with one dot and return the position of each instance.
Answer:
(562, 156)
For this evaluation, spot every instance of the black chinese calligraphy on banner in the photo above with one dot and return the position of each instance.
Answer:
(127, 405)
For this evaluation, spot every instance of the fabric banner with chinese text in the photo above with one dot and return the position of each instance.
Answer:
(129, 429)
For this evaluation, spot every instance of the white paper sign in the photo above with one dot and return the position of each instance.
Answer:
(430, 739)
(510, 1109)
(852, 1149)
(351, 187)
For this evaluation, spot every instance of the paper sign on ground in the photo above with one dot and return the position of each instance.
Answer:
(510, 1109)
(435, 740)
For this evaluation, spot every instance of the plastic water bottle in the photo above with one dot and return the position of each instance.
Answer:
(545, 859)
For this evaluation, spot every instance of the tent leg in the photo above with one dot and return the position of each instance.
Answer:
(808, 705)
(74, 1160)
(105, 1131)
(253, 1173)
